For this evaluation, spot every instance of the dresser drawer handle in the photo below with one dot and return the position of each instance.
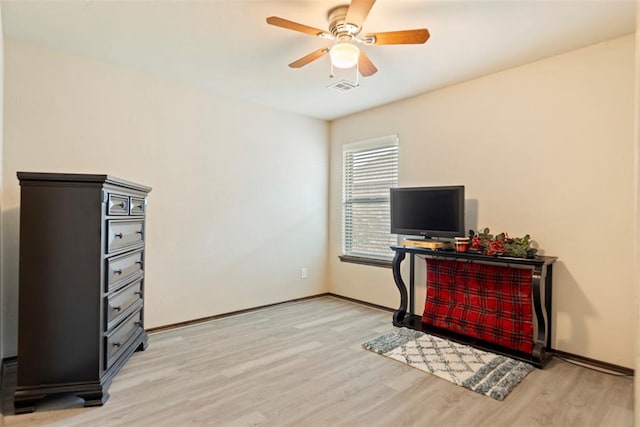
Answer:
(139, 262)
(139, 324)
(118, 272)
(122, 205)
(138, 293)
(139, 232)
(116, 308)
(116, 344)
(118, 235)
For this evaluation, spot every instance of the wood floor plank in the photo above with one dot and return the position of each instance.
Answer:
(301, 364)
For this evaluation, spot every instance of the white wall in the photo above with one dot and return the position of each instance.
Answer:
(239, 200)
(545, 149)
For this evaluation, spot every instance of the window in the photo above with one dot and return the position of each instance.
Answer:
(370, 169)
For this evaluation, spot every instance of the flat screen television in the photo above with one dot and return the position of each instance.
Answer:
(428, 211)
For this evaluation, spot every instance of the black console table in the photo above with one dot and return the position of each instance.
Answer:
(540, 268)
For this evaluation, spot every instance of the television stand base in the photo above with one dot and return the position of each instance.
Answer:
(429, 244)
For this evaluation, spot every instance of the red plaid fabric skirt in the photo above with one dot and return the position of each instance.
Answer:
(492, 303)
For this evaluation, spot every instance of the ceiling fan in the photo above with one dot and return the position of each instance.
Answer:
(345, 25)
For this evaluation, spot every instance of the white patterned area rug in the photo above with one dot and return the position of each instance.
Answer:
(485, 373)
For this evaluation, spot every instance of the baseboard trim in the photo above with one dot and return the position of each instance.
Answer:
(365, 303)
(594, 363)
(228, 314)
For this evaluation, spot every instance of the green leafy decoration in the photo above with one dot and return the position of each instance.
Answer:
(501, 244)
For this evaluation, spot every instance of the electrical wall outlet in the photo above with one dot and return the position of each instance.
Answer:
(303, 273)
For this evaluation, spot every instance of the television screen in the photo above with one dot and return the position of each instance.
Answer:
(428, 211)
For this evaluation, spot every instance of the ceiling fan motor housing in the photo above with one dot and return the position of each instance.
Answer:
(338, 25)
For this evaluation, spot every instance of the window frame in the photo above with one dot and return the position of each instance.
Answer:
(360, 146)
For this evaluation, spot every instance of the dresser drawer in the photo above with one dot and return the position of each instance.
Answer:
(122, 269)
(137, 206)
(116, 342)
(123, 234)
(121, 303)
(118, 205)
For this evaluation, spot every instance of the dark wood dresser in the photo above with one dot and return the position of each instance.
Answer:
(81, 284)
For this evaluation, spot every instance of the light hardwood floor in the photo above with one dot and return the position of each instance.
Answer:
(301, 364)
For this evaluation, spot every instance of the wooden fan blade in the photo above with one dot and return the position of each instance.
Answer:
(358, 11)
(365, 65)
(399, 37)
(311, 57)
(290, 25)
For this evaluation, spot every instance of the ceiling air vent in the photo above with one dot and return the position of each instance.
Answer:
(343, 86)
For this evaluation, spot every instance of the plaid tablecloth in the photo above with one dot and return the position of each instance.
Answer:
(492, 303)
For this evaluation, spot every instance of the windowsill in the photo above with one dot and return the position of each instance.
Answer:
(366, 261)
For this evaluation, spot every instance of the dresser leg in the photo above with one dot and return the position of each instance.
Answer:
(94, 398)
(143, 344)
(26, 406)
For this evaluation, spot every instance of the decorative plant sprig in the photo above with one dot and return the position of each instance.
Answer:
(501, 244)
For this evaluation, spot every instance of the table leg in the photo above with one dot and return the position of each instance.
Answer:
(401, 312)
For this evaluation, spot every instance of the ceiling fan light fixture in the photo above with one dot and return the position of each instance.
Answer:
(344, 55)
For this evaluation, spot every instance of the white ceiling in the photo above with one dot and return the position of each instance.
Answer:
(227, 47)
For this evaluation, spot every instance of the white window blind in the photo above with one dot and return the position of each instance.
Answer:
(370, 170)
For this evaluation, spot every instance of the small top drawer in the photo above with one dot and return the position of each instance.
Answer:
(137, 206)
(118, 205)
